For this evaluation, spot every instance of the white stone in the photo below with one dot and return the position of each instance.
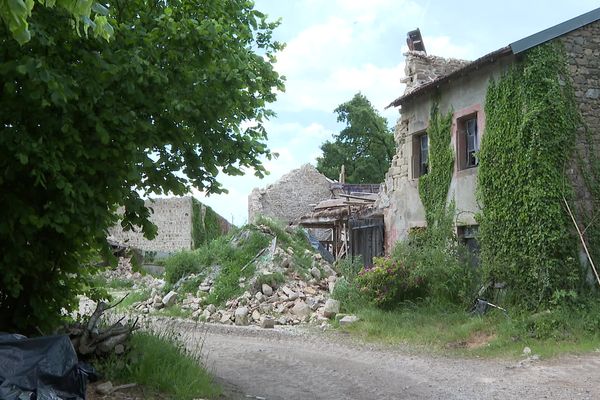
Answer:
(226, 318)
(331, 308)
(313, 303)
(259, 296)
(241, 316)
(526, 351)
(211, 308)
(267, 323)
(328, 271)
(315, 272)
(301, 309)
(349, 320)
(266, 289)
(256, 315)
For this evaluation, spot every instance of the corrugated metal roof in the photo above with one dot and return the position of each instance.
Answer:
(514, 48)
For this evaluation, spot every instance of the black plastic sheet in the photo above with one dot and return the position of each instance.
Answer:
(43, 368)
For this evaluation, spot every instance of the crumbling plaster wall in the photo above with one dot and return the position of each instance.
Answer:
(399, 197)
(173, 217)
(421, 68)
(293, 195)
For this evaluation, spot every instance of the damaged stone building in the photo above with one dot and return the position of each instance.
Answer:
(460, 87)
(183, 224)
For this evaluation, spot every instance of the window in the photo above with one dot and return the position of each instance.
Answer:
(420, 155)
(468, 142)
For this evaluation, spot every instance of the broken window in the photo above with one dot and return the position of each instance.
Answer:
(468, 142)
(420, 155)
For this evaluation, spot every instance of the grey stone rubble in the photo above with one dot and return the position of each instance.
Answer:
(298, 300)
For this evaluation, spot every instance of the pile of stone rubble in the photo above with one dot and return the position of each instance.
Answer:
(124, 270)
(296, 300)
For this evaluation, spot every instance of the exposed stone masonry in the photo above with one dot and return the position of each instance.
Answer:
(421, 68)
(583, 56)
(291, 197)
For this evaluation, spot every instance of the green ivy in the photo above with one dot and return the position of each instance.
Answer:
(205, 224)
(433, 187)
(525, 234)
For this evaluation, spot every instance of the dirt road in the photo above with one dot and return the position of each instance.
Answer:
(298, 364)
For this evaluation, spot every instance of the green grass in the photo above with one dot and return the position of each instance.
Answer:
(450, 330)
(118, 283)
(160, 363)
(133, 297)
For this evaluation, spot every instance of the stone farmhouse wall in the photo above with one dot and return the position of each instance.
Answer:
(173, 217)
(583, 56)
(292, 196)
(399, 198)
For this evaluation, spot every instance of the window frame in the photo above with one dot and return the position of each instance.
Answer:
(466, 149)
(417, 156)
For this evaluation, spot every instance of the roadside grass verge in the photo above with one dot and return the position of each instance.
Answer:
(161, 363)
(450, 330)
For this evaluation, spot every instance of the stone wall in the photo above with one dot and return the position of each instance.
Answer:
(173, 217)
(292, 196)
(421, 68)
(583, 56)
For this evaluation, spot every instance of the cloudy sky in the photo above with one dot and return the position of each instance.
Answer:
(336, 48)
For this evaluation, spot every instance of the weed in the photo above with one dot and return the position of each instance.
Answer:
(161, 362)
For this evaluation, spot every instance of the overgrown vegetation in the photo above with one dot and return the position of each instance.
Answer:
(117, 137)
(525, 233)
(205, 224)
(433, 186)
(448, 328)
(161, 362)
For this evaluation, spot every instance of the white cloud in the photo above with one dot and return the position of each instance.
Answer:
(442, 46)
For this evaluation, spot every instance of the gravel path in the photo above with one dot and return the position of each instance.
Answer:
(300, 364)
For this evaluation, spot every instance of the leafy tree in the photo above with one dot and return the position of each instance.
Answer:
(86, 125)
(15, 13)
(365, 146)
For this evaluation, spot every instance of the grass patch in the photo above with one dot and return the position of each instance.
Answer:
(161, 363)
(100, 281)
(133, 297)
(451, 330)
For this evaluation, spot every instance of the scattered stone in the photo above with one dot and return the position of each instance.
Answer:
(315, 272)
(105, 388)
(169, 299)
(282, 320)
(328, 271)
(526, 351)
(204, 288)
(211, 308)
(256, 315)
(226, 318)
(241, 316)
(259, 296)
(313, 303)
(267, 323)
(301, 309)
(348, 320)
(267, 290)
(332, 307)
(265, 307)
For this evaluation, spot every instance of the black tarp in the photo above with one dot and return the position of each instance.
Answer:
(43, 368)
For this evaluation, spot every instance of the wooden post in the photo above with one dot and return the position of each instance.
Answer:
(582, 241)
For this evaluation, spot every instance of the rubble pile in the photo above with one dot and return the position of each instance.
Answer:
(125, 271)
(296, 300)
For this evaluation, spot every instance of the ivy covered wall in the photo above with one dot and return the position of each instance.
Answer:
(206, 224)
(526, 237)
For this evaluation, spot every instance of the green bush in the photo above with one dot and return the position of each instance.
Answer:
(181, 264)
(389, 282)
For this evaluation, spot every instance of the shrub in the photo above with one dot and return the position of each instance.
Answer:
(388, 282)
(181, 264)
